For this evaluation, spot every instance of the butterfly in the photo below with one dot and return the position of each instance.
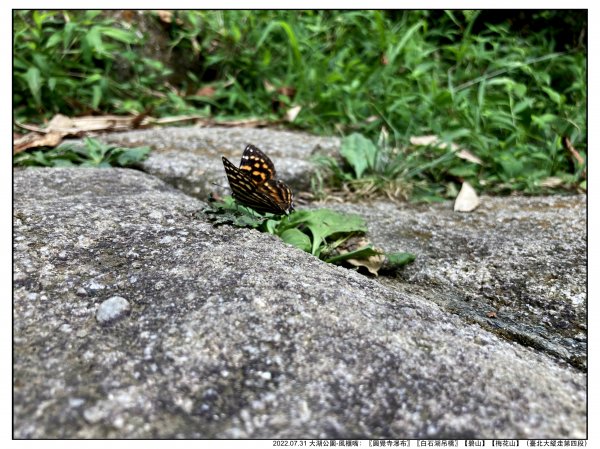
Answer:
(254, 184)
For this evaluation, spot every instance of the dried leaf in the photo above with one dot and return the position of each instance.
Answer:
(551, 182)
(574, 153)
(424, 140)
(128, 15)
(138, 119)
(268, 86)
(165, 15)
(35, 139)
(82, 125)
(467, 199)
(288, 91)
(371, 263)
(435, 141)
(245, 123)
(61, 126)
(206, 91)
(292, 113)
(59, 122)
(432, 140)
(182, 118)
(101, 123)
(468, 156)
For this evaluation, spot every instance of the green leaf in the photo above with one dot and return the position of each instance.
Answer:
(359, 152)
(62, 163)
(519, 89)
(39, 18)
(271, 226)
(323, 223)
(119, 35)
(96, 96)
(91, 14)
(68, 33)
(464, 171)
(290, 34)
(153, 64)
(543, 76)
(511, 166)
(542, 121)
(54, 39)
(228, 211)
(95, 149)
(361, 253)
(92, 154)
(41, 159)
(34, 81)
(297, 238)
(92, 78)
(131, 156)
(41, 62)
(554, 96)
(93, 41)
(522, 105)
(397, 260)
(393, 52)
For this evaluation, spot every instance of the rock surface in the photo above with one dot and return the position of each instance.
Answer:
(516, 266)
(190, 158)
(233, 334)
(521, 261)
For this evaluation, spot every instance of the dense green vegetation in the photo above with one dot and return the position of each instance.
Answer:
(508, 86)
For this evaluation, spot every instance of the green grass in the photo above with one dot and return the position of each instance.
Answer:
(79, 63)
(92, 153)
(507, 93)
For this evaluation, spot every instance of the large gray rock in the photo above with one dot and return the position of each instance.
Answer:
(233, 334)
(516, 266)
(190, 158)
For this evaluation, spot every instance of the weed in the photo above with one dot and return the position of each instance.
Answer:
(426, 173)
(79, 62)
(92, 154)
(322, 232)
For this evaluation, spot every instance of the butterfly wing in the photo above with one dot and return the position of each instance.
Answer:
(245, 190)
(253, 184)
(257, 165)
(279, 193)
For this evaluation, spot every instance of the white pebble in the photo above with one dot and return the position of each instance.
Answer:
(111, 309)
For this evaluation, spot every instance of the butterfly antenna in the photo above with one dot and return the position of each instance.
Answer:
(216, 184)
